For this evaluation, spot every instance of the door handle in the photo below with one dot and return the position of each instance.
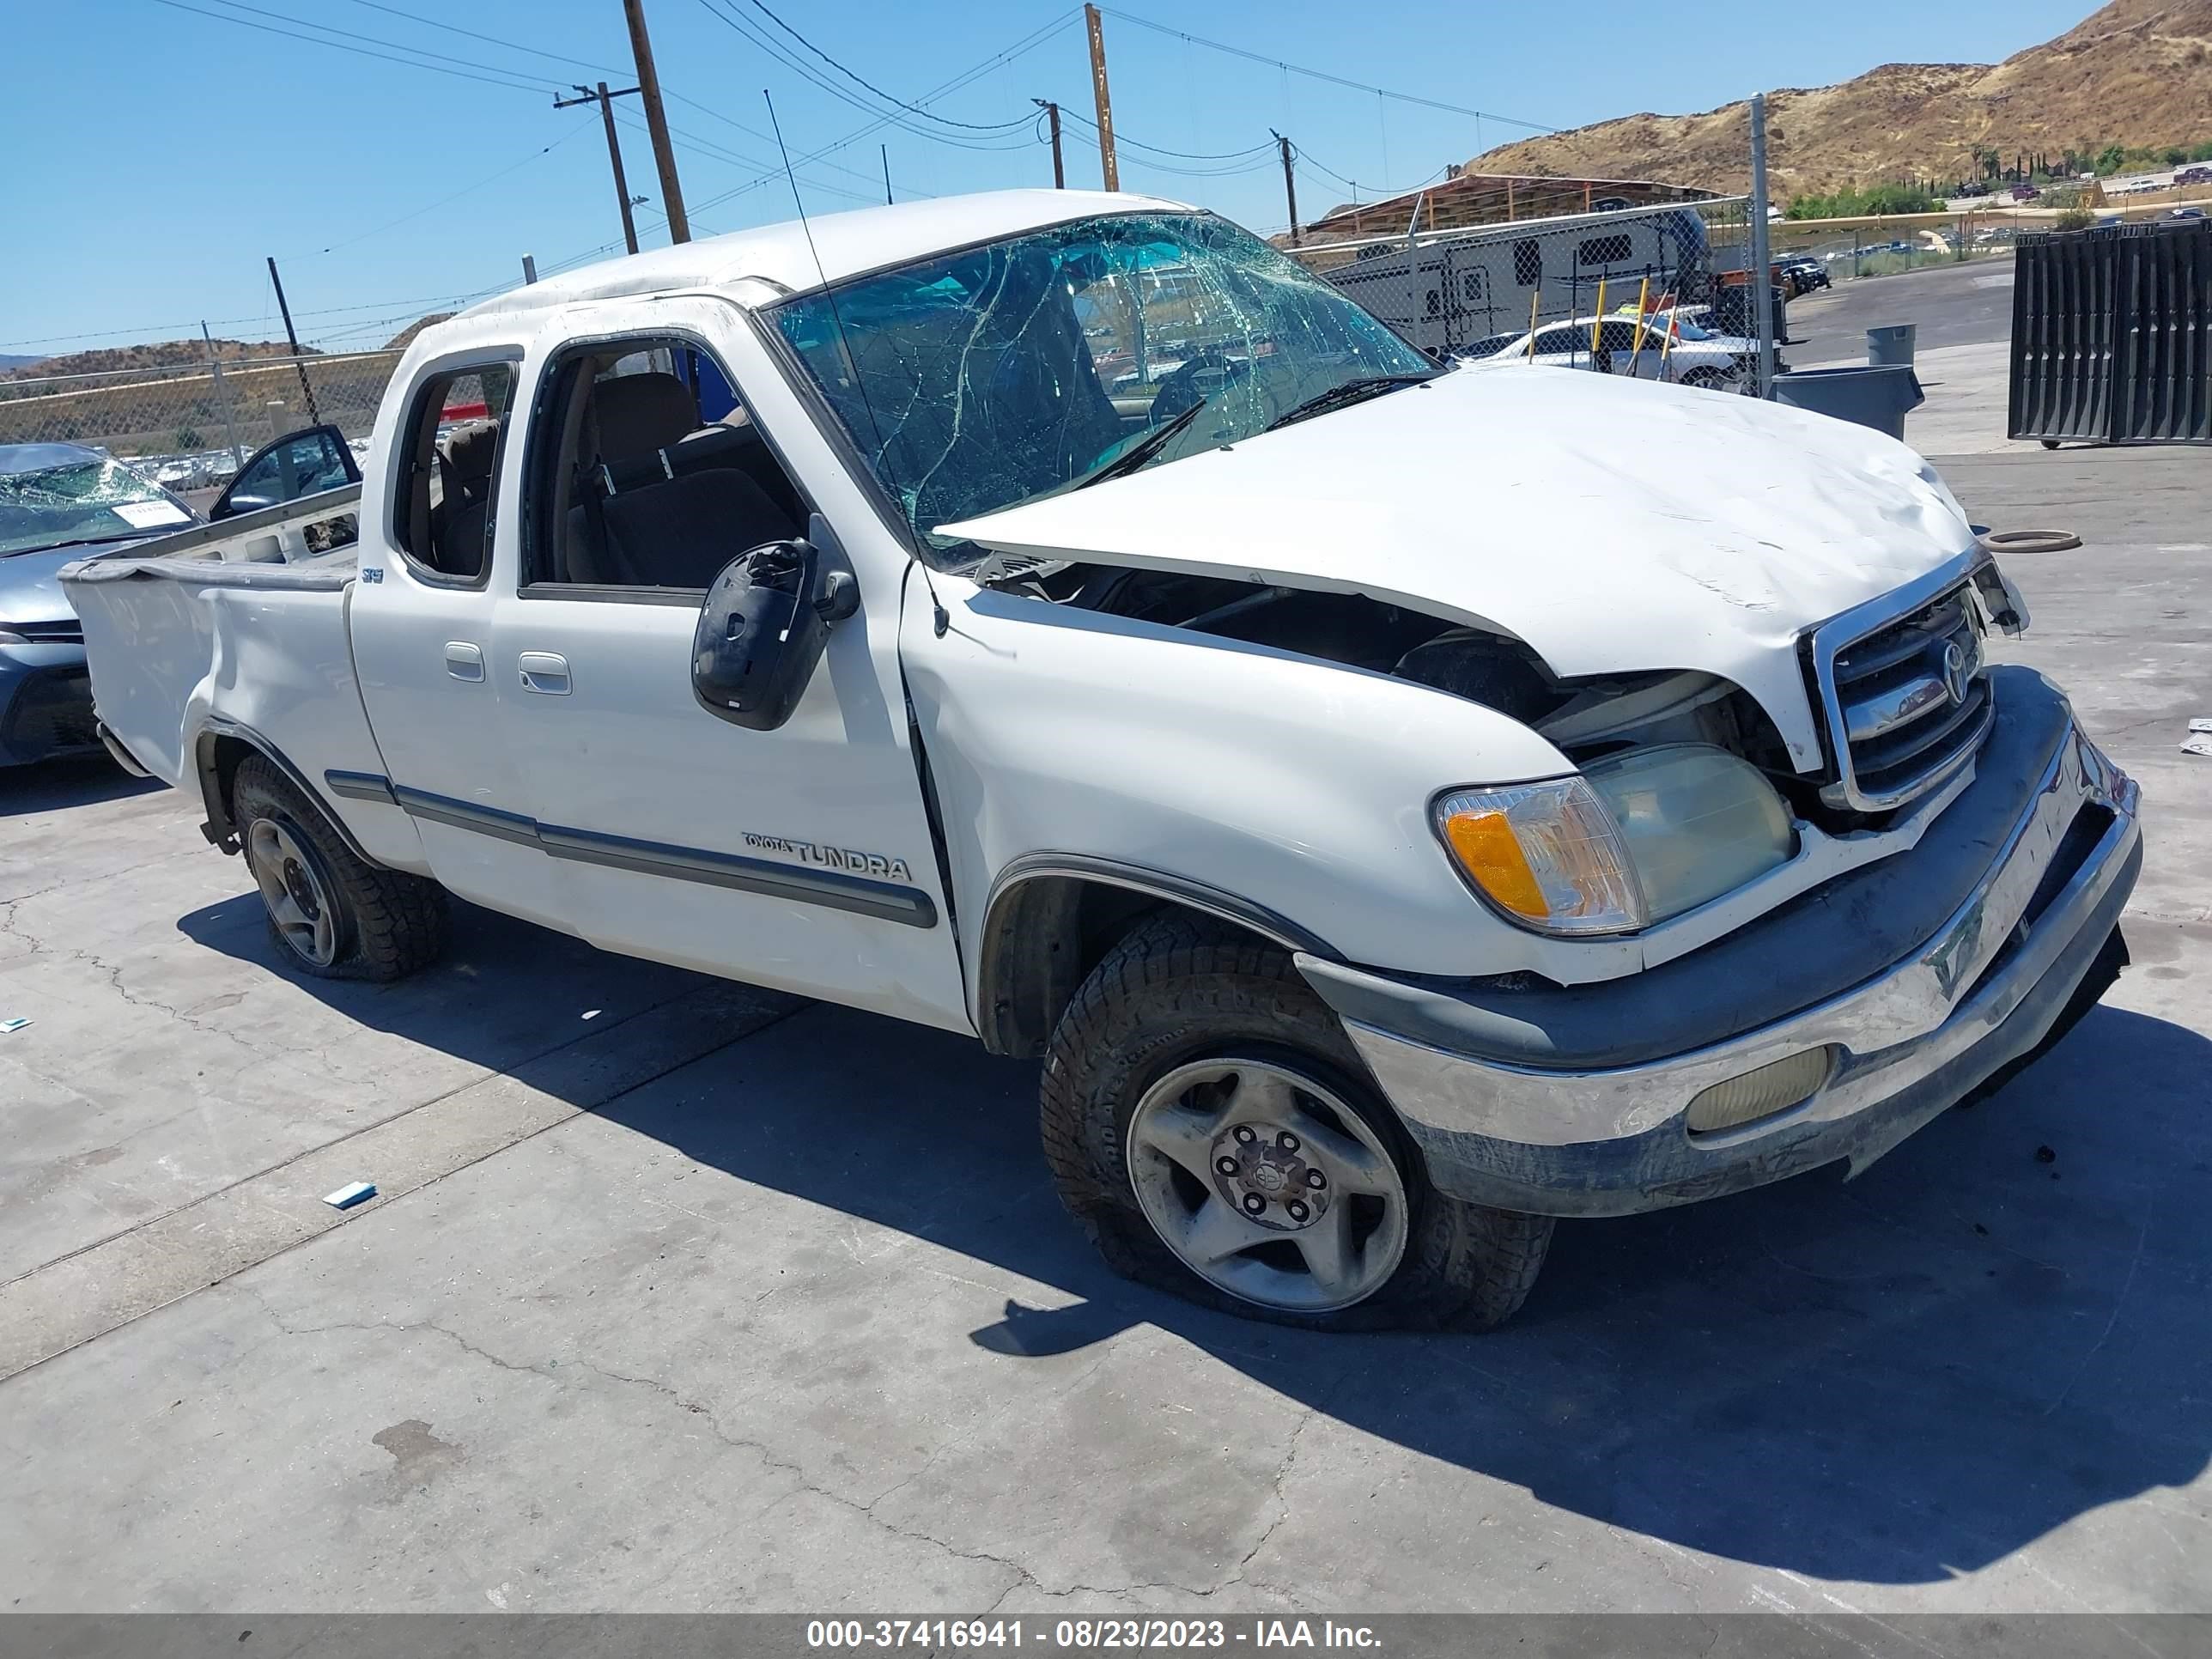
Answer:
(542, 671)
(464, 661)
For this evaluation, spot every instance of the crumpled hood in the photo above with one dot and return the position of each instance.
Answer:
(1614, 526)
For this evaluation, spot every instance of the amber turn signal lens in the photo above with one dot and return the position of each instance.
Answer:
(1488, 851)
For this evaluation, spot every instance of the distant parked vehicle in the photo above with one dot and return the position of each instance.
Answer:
(1803, 273)
(1623, 348)
(2193, 176)
(58, 503)
(2025, 192)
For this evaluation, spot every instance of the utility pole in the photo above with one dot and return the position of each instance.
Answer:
(1761, 290)
(605, 99)
(1059, 172)
(1105, 101)
(885, 150)
(1290, 184)
(314, 415)
(656, 122)
(223, 391)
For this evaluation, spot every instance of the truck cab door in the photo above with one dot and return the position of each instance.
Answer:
(421, 627)
(801, 857)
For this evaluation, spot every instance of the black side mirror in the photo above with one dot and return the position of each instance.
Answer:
(764, 628)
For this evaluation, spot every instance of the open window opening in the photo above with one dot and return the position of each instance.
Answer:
(455, 435)
(647, 472)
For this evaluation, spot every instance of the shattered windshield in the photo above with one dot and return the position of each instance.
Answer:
(81, 503)
(974, 380)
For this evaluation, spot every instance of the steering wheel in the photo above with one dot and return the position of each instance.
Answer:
(1179, 391)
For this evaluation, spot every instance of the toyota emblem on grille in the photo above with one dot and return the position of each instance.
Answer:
(1957, 671)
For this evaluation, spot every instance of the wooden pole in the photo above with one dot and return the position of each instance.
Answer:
(656, 123)
(1103, 97)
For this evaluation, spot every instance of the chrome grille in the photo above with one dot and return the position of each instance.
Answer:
(1907, 702)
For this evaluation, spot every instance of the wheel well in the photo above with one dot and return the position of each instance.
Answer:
(219, 756)
(1041, 939)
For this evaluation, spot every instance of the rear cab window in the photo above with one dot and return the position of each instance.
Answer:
(447, 469)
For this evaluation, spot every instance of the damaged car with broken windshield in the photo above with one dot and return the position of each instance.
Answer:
(1399, 807)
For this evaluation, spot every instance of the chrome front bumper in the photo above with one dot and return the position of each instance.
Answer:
(2010, 967)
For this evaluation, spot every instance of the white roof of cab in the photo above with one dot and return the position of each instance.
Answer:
(867, 239)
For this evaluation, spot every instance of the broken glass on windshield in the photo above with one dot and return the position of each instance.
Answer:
(79, 503)
(971, 381)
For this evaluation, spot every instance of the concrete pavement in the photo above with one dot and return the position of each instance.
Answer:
(682, 1297)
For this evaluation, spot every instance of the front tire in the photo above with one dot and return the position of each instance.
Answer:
(332, 914)
(1210, 1128)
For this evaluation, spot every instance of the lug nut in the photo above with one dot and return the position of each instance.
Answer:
(1297, 1211)
(1316, 1180)
(1225, 1164)
(1243, 1133)
(1254, 1203)
(1287, 1141)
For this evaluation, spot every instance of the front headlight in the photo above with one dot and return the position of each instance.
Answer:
(8, 636)
(1637, 838)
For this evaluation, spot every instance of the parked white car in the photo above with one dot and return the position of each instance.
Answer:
(1399, 807)
(1618, 345)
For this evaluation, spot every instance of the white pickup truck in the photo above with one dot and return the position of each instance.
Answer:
(1400, 806)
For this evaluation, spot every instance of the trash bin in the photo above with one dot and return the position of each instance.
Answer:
(1892, 344)
(1878, 396)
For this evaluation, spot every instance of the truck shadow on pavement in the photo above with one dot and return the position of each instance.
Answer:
(1890, 1381)
(1998, 1329)
(78, 780)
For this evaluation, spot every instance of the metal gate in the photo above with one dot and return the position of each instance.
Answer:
(2111, 335)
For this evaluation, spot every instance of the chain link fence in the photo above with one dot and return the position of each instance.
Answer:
(190, 426)
(1660, 292)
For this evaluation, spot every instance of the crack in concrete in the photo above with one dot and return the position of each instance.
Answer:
(802, 1482)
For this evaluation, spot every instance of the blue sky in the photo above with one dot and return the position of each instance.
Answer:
(159, 154)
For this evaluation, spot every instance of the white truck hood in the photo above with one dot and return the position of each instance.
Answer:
(1613, 525)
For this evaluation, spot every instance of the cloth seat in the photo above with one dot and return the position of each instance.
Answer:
(673, 528)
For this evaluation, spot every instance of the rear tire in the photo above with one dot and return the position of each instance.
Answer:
(332, 914)
(1192, 1051)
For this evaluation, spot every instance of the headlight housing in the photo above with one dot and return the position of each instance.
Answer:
(1639, 837)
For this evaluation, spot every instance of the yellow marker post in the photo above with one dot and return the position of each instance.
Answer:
(1599, 322)
(1643, 321)
(1533, 299)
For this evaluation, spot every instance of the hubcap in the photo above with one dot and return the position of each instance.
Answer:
(1267, 1185)
(291, 883)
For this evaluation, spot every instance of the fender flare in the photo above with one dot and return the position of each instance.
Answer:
(999, 954)
(220, 828)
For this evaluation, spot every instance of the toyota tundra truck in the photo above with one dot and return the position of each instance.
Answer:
(1399, 806)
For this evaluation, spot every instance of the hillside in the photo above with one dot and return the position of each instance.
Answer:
(165, 354)
(2135, 73)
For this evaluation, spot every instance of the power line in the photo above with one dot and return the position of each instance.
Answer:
(1015, 130)
(505, 78)
(1379, 191)
(579, 62)
(1121, 139)
(1021, 47)
(465, 190)
(850, 74)
(1320, 74)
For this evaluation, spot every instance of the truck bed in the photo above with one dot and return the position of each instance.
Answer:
(204, 635)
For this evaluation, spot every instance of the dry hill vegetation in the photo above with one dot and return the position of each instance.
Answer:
(2136, 74)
